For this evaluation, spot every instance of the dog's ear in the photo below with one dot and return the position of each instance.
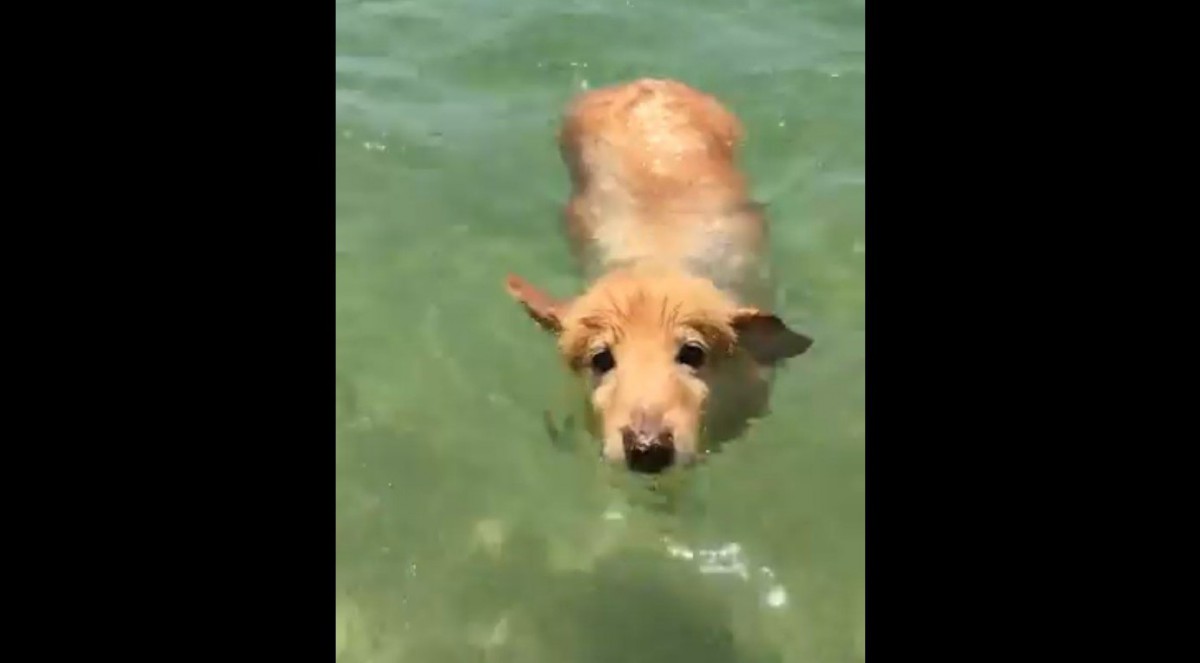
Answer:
(766, 337)
(544, 309)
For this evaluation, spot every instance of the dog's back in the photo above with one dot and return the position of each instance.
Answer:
(655, 144)
(654, 177)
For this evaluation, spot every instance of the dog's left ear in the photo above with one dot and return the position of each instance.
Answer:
(766, 337)
(544, 309)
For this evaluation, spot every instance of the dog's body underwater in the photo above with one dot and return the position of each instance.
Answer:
(673, 330)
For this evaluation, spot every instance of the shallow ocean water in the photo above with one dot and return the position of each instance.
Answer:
(463, 532)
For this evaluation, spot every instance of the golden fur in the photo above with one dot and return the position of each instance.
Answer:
(660, 221)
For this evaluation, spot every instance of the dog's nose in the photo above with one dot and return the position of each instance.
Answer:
(649, 446)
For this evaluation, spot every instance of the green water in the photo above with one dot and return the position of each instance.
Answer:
(463, 532)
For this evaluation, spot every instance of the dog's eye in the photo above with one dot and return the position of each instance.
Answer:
(691, 354)
(603, 361)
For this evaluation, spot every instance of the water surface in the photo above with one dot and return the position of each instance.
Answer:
(463, 532)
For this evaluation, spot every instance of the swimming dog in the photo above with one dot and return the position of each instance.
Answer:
(673, 332)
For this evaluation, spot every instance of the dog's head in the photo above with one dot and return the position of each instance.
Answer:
(652, 346)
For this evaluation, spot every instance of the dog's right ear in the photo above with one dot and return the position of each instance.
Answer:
(544, 309)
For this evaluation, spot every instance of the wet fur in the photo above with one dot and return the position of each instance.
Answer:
(660, 222)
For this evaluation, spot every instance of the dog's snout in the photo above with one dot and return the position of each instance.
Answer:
(649, 445)
(647, 424)
(635, 439)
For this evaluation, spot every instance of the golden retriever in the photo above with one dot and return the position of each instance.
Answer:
(673, 333)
